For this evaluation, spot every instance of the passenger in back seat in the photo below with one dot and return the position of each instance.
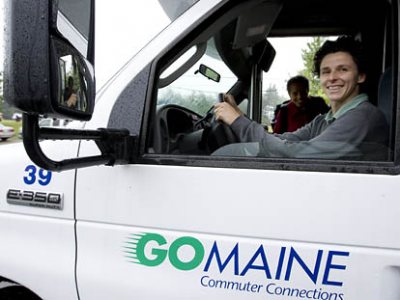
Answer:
(300, 109)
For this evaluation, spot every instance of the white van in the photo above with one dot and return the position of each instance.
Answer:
(134, 205)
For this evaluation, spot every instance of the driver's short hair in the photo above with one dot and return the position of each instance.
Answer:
(342, 44)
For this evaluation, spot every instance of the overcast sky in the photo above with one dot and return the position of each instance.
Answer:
(118, 47)
(287, 62)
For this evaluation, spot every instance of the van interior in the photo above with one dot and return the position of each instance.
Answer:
(232, 52)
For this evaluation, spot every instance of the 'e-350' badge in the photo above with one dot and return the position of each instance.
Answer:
(36, 199)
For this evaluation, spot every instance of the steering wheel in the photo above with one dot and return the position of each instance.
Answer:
(216, 134)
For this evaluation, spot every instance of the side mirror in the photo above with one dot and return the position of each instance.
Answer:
(49, 70)
(49, 59)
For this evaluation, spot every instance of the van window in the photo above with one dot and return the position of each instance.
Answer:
(256, 73)
(193, 90)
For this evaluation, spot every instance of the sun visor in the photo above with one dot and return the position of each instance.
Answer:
(264, 54)
(254, 25)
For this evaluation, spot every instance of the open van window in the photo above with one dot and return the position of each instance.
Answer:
(252, 68)
(193, 90)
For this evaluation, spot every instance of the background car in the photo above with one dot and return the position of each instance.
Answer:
(52, 122)
(17, 117)
(6, 132)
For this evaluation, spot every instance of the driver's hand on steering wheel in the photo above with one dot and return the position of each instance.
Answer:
(227, 111)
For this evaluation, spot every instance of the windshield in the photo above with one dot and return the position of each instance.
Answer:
(193, 90)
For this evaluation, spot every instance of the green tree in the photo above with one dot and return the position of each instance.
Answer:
(271, 96)
(308, 61)
(6, 109)
(200, 102)
(196, 101)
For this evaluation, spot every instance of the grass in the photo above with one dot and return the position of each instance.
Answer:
(14, 124)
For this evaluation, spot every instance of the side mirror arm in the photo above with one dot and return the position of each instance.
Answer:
(116, 146)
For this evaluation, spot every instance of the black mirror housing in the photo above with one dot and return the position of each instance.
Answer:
(36, 53)
(209, 73)
(27, 56)
(49, 70)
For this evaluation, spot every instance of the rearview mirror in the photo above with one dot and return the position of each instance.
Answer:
(209, 73)
(49, 58)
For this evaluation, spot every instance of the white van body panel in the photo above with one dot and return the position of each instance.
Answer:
(39, 253)
(136, 201)
(37, 247)
(24, 175)
(103, 253)
(182, 203)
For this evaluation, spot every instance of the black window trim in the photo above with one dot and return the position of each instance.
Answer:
(391, 167)
(277, 164)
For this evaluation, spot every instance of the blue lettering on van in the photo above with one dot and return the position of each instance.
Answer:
(330, 266)
(233, 258)
(32, 173)
(295, 256)
(288, 259)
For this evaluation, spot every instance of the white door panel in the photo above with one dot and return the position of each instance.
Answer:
(351, 213)
(109, 268)
(301, 206)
